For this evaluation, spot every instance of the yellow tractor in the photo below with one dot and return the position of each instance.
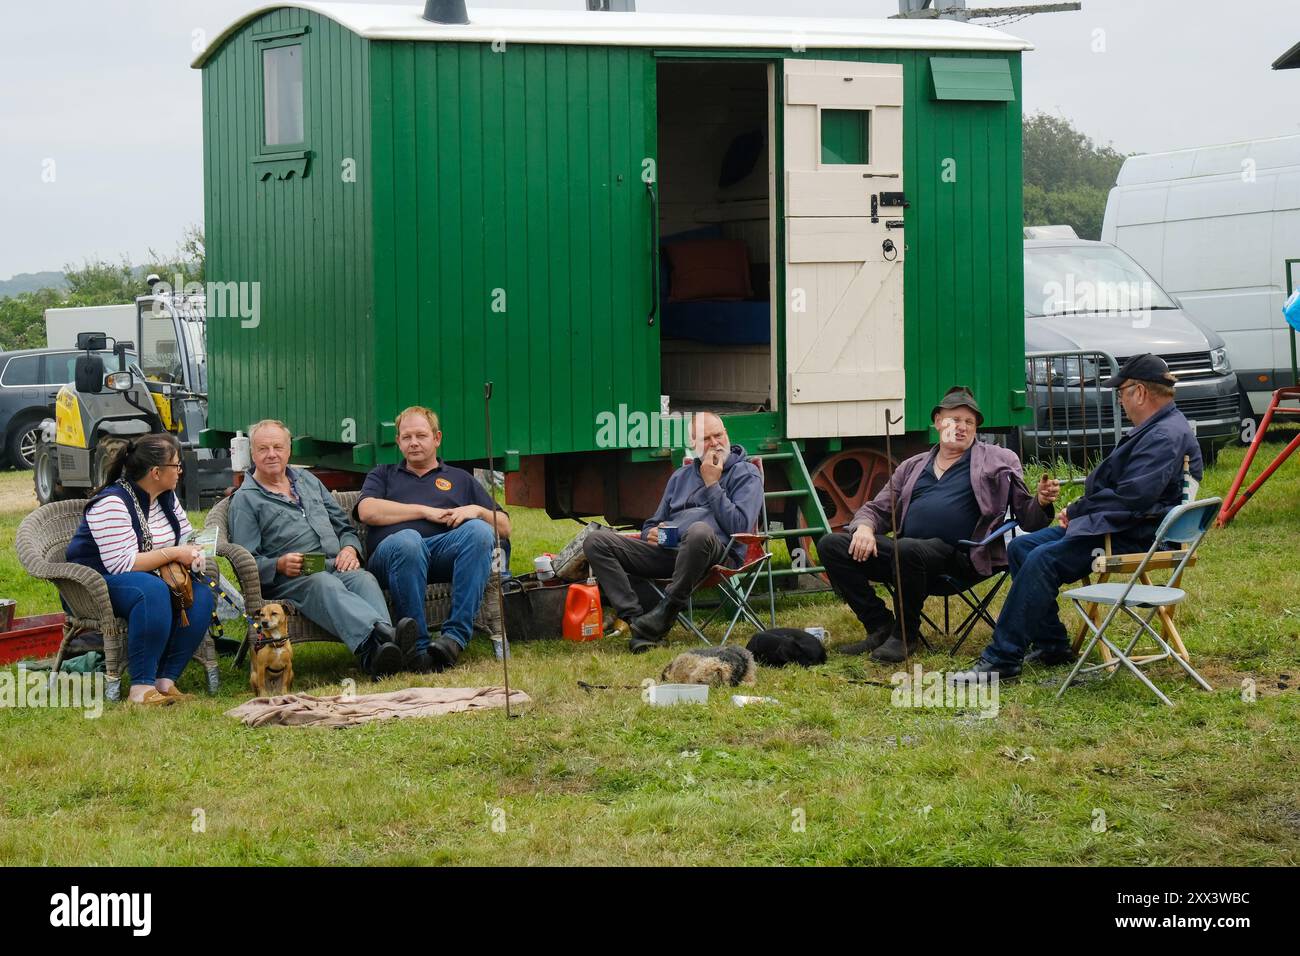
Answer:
(163, 388)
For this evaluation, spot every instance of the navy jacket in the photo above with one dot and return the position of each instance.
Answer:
(82, 549)
(730, 505)
(1140, 480)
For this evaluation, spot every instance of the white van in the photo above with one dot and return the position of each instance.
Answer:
(1214, 226)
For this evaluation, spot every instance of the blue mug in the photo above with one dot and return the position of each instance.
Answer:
(668, 536)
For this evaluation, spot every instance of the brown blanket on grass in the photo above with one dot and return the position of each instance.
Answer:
(304, 710)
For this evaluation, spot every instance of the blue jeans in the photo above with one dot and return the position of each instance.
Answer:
(406, 563)
(1040, 563)
(156, 644)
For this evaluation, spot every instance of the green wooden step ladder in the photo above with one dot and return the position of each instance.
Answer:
(787, 454)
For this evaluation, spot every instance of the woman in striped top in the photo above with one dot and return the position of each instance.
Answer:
(133, 526)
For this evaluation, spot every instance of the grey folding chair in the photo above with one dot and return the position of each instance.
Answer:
(1184, 525)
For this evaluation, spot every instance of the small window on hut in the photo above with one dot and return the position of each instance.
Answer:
(846, 137)
(282, 95)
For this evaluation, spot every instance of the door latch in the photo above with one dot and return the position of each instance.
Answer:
(875, 208)
(894, 199)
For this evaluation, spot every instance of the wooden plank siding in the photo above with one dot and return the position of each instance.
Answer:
(517, 171)
(306, 241)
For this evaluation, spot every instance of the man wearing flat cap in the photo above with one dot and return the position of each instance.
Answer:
(958, 490)
(1125, 496)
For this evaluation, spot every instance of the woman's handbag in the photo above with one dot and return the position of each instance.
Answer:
(534, 610)
(177, 578)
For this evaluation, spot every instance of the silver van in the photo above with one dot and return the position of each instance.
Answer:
(1084, 295)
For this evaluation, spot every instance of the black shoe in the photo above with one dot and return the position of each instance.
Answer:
(407, 632)
(444, 653)
(656, 625)
(418, 662)
(892, 652)
(876, 635)
(385, 658)
(1051, 656)
(639, 645)
(1004, 672)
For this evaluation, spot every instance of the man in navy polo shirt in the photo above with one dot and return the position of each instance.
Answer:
(429, 522)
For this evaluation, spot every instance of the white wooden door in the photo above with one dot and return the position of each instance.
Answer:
(844, 282)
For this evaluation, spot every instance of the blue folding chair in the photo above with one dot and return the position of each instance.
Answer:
(1184, 525)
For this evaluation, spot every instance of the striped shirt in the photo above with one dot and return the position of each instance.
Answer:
(110, 525)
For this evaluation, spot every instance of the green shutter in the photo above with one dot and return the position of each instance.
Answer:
(971, 79)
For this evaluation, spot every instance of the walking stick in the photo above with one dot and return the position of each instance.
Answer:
(497, 553)
(893, 528)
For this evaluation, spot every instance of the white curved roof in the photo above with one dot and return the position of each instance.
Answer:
(1217, 160)
(404, 22)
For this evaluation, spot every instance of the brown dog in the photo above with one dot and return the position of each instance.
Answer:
(272, 658)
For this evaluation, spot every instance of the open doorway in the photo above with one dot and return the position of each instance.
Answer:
(715, 178)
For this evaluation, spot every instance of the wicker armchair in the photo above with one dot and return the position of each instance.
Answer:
(42, 542)
(437, 599)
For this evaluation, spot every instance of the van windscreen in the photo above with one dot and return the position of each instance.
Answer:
(1069, 280)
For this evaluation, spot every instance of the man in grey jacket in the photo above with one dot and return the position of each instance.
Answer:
(717, 495)
(279, 514)
(958, 490)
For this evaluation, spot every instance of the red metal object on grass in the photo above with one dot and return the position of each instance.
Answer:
(1231, 502)
(37, 636)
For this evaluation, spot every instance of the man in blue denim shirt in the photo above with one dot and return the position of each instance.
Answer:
(1125, 496)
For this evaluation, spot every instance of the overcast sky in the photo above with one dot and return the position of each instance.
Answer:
(102, 89)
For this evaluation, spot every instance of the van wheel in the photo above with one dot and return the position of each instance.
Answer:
(23, 438)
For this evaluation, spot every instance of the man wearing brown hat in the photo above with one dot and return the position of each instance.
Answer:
(1125, 496)
(958, 490)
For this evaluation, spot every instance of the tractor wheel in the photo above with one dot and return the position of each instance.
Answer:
(45, 476)
(102, 459)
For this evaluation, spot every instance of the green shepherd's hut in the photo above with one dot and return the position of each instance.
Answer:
(802, 223)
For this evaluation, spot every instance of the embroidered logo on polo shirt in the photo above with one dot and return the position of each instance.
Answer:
(442, 484)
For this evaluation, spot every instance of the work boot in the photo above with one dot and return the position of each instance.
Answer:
(877, 634)
(407, 632)
(655, 626)
(1051, 656)
(892, 651)
(383, 657)
(444, 653)
(1004, 672)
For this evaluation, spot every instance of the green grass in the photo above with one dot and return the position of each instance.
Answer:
(598, 777)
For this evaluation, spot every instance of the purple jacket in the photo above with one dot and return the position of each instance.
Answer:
(997, 478)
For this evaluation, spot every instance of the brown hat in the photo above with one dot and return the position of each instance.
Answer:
(956, 397)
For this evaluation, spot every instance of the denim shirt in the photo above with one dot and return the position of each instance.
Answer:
(269, 525)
